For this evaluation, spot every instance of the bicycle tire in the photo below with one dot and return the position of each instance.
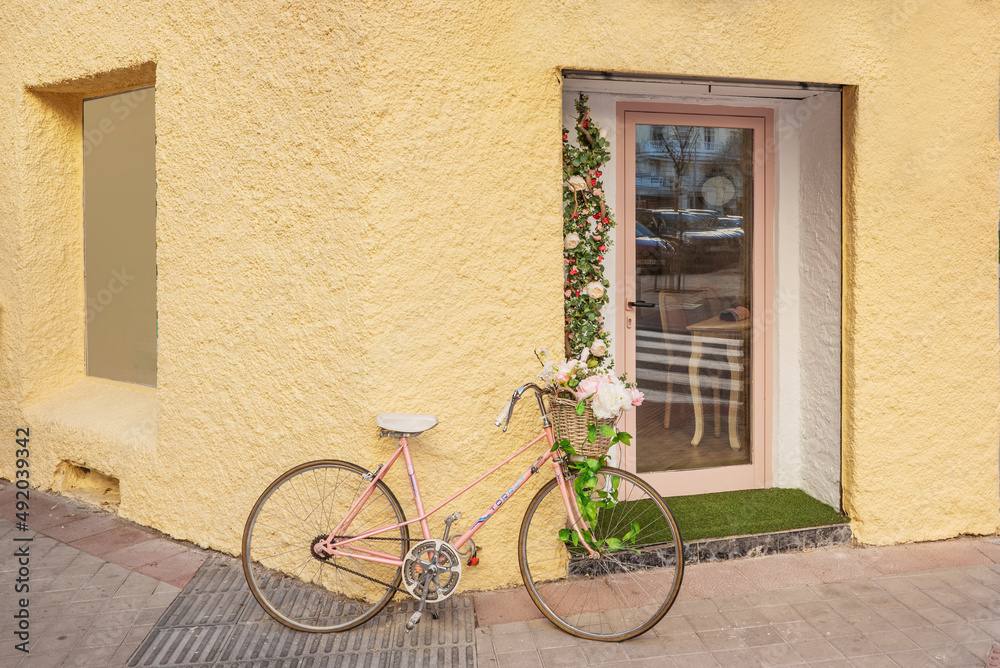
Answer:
(623, 592)
(305, 592)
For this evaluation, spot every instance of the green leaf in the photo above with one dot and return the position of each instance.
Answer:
(565, 535)
(625, 437)
(581, 407)
(607, 430)
(591, 433)
(593, 464)
(567, 448)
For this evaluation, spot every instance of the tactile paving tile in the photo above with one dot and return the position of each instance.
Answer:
(216, 622)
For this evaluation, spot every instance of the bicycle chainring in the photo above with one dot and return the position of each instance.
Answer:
(433, 565)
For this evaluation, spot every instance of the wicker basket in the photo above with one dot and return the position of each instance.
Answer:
(573, 427)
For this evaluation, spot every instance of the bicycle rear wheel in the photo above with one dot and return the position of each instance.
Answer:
(623, 591)
(290, 582)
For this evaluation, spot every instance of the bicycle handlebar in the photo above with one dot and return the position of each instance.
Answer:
(509, 408)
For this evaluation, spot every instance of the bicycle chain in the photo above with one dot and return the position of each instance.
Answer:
(326, 560)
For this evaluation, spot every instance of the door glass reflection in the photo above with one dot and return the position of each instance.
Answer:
(693, 228)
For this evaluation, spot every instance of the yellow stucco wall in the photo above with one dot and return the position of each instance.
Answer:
(358, 210)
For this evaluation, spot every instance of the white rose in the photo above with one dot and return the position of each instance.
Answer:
(576, 183)
(571, 241)
(609, 401)
(595, 290)
(598, 348)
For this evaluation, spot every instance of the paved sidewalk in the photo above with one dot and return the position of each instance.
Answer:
(105, 592)
(928, 604)
(96, 583)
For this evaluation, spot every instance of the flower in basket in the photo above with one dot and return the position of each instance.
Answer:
(608, 396)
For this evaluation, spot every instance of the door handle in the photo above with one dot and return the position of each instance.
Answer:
(642, 304)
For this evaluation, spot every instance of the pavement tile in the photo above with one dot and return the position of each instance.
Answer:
(92, 657)
(528, 659)
(716, 579)
(562, 657)
(81, 528)
(973, 611)
(800, 631)
(939, 615)
(903, 618)
(882, 602)
(109, 541)
(949, 553)
(925, 637)
(645, 647)
(600, 653)
(873, 661)
(696, 660)
(779, 613)
(964, 632)
(712, 621)
(954, 656)
(722, 639)
(777, 571)
(144, 553)
(744, 658)
(916, 658)
(831, 591)
(813, 651)
(894, 559)
(178, 569)
(50, 660)
(745, 617)
(890, 641)
(777, 655)
(513, 642)
(673, 623)
(550, 636)
(834, 627)
(503, 606)
(854, 645)
(682, 643)
(870, 623)
(755, 636)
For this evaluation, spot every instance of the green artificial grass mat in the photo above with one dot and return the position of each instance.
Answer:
(749, 511)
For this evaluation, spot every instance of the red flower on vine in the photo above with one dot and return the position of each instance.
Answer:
(602, 248)
(600, 259)
(597, 174)
(585, 124)
(573, 271)
(575, 216)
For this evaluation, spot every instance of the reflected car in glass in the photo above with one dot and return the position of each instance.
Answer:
(703, 240)
(653, 255)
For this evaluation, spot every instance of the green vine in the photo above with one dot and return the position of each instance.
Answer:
(587, 224)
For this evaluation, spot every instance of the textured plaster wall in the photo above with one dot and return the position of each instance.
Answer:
(358, 210)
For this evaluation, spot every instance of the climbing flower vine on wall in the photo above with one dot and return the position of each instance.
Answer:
(587, 223)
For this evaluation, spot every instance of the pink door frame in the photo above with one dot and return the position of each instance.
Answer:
(757, 474)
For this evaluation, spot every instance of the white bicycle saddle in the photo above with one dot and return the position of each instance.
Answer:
(401, 424)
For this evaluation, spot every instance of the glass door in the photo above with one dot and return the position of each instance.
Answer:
(695, 274)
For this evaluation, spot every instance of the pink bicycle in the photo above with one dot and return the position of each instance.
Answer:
(327, 546)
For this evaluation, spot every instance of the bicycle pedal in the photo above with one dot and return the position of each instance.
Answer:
(414, 620)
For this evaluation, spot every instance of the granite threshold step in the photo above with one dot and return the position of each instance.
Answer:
(707, 550)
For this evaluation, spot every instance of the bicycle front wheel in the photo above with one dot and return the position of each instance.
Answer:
(630, 581)
(301, 507)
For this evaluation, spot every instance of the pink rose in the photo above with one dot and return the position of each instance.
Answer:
(637, 396)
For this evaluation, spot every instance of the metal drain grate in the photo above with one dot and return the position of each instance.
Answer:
(216, 622)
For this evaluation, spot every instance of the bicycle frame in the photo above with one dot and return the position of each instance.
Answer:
(334, 546)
